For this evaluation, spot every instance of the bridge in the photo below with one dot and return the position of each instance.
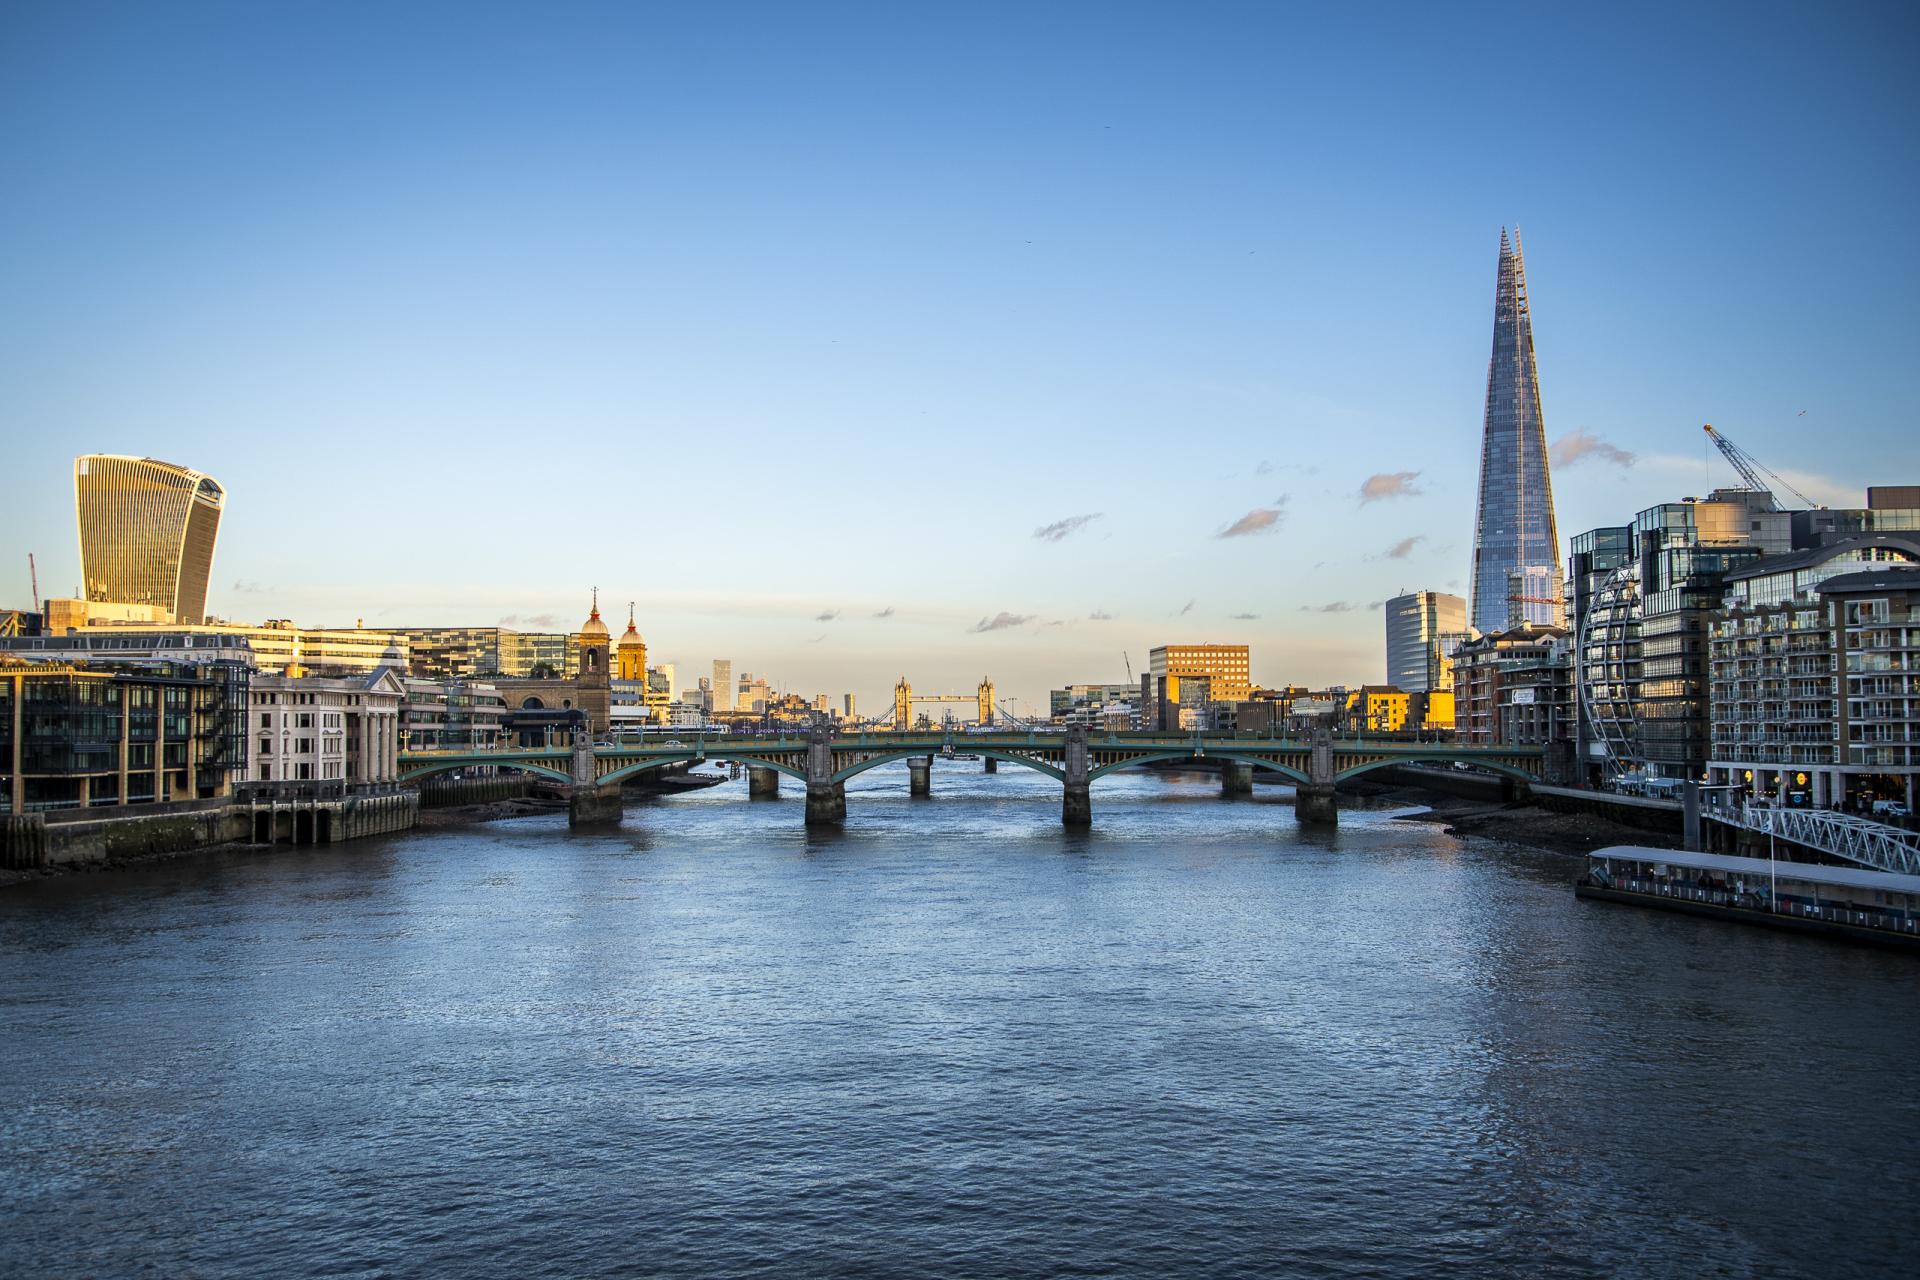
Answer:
(1842, 835)
(824, 761)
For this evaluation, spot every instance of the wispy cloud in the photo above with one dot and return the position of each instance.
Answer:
(1580, 444)
(1258, 520)
(1099, 615)
(1001, 621)
(826, 615)
(1388, 484)
(885, 613)
(539, 621)
(247, 586)
(1185, 609)
(1332, 606)
(1264, 469)
(1061, 529)
(1246, 617)
(1404, 548)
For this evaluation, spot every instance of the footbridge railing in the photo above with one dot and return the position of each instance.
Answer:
(1871, 844)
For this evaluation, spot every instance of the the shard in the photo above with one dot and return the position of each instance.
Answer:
(1516, 546)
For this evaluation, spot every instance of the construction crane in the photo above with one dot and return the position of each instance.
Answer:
(1128, 659)
(34, 574)
(1751, 469)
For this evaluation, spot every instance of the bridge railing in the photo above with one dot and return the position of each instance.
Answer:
(1844, 835)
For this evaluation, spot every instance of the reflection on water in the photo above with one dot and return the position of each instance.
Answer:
(950, 1040)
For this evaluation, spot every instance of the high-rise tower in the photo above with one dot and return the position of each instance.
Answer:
(147, 530)
(1516, 546)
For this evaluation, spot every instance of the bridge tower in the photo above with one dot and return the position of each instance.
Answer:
(986, 700)
(902, 706)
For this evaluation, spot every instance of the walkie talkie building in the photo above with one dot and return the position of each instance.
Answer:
(1516, 546)
(147, 530)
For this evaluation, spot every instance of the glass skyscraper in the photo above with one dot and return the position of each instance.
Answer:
(1516, 547)
(147, 530)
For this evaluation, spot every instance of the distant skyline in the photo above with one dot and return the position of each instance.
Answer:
(979, 342)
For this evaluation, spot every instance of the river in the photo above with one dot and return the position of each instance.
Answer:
(953, 1040)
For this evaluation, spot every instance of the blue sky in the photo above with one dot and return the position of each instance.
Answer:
(778, 318)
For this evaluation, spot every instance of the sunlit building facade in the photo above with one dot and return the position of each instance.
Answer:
(1516, 546)
(147, 532)
(1417, 661)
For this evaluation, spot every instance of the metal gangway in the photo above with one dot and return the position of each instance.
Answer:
(1871, 844)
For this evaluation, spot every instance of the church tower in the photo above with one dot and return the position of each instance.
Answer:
(632, 657)
(594, 683)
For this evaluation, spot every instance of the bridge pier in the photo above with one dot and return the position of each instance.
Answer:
(919, 775)
(1514, 790)
(591, 806)
(1076, 806)
(992, 765)
(762, 783)
(1236, 778)
(826, 798)
(1313, 802)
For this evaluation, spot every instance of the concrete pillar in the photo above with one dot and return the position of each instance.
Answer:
(588, 805)
(762, 783)
(1819, 788)
(1236, 778)
(992, 765)
(826, 798)
(1514, 790)
(1690, 815)
(920, 775)
(1313, 801)
(583, 759)
(1076, 806)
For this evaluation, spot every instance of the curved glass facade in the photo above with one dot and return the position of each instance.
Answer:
(147, 532)
(1516, 547)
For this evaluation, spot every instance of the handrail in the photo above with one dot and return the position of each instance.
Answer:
(1844, 835)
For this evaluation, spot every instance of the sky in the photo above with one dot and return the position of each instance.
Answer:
(862, 341)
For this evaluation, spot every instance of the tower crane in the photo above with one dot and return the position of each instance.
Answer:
(1751, 469)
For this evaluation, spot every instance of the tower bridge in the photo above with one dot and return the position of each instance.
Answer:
(825, 761)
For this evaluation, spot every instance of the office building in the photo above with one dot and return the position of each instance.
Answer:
(1417, 661)
(848, 703)
(147, 532)
(274, 648)
(77, 735)
(1225, 665)
(450, 715)
(1516, 545)
(458, 653)
(1088, 697)
(343, 730)
(724, 698)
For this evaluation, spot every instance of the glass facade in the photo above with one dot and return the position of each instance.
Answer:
(1514, 530)
(147, 532)
(1416, 660)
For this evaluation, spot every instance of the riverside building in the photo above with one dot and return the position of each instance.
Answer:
(1815, 676)
(147, 533)
(343, 730)
(77, 735)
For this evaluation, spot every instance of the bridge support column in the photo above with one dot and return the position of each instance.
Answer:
(591, 806)
(1313, 804)
(762, 783)
(1313, 801)
(992, 765)
(1076, 806)
(1515, 790)
(826, 799)
(920, 775)
(1236, 778)
(1690, 817)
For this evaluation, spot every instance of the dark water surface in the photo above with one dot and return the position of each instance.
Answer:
(951, 1041)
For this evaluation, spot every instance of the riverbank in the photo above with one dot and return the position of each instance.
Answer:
(1574, 834)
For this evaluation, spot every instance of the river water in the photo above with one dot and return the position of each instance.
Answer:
(952, 1040)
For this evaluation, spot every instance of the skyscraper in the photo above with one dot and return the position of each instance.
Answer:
(147, 530)
(1516, 547)
(724, 698)
(1416, 621)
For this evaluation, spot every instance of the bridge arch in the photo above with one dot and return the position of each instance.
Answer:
(861, 766)
(422, 772)
(1188, 754)
(1438, 757)
(694, 757)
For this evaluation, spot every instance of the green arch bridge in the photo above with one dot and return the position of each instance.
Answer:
(825, 761)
